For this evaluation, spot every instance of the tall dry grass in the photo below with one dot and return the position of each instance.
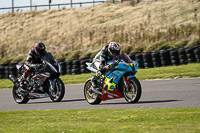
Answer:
(70, 33)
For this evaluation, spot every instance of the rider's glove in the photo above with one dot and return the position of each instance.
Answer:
(112, 65)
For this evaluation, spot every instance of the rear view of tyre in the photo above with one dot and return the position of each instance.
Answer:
(182, 56)
(1, 72)
(19, 98)
(190, 54)
(90, 97)
(57, 94)
(165, 57)
(133, 94)
(174, 57)
(147, 58)
(156, 58)
(197, 54)
(139, 59)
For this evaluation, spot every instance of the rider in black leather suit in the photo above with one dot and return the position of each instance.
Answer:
(33, 59)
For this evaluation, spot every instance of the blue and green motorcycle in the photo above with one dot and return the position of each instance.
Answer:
(116, 83)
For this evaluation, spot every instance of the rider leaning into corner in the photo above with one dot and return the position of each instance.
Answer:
(109, 52)
(33, 59)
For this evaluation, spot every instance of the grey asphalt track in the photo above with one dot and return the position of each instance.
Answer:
(178, 93)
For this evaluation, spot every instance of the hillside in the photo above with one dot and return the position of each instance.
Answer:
(70, 33)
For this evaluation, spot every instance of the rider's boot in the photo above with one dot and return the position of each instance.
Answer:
(95, 77)
(94, 87)
(94, 81)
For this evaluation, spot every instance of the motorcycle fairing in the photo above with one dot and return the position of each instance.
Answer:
(18, 66)
(116, 75)
(109, 84)
(113, 77)
(43, 75)
(33, 95)
(90, 67)
(124, 67)
(132, 76)
(111, 95)
(52, 63)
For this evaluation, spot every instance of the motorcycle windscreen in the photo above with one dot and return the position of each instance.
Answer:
(123, 56)
(49, 58)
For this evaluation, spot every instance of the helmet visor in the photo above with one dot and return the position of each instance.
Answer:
(115, 52)
(41, 51)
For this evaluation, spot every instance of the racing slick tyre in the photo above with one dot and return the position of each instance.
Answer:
(90, 96)
(57, 94)
(18, 97)
(133, 94)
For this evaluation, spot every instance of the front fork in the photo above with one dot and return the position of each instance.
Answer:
(126, 83)
(54, 90)
(52, 85)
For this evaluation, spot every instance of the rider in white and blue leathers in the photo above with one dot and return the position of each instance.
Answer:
(109, 52)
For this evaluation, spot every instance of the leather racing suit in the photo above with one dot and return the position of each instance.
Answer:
(99, 62)
(33, 59)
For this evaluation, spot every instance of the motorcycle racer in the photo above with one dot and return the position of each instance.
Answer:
(109, 52)
(33, 59)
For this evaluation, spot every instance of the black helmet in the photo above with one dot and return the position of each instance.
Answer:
(40, 48)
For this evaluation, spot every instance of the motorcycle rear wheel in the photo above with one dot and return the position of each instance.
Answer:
(134, 92)
(59, 91)
(90, 96)
(19, 99)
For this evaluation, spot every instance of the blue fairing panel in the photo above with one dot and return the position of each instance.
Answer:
(116, 75)
(132, 76)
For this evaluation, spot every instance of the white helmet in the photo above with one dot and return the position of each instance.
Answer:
(114, 49)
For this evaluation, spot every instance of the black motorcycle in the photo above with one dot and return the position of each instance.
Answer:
(43, 82)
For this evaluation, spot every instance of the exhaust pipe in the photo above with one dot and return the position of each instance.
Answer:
(14, 80)
(96, 91)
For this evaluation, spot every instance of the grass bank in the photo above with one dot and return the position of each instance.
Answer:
(69, 33)
(184, 120)
(182, 71)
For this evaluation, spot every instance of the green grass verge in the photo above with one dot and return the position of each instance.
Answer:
(182, 71)
(177, 120)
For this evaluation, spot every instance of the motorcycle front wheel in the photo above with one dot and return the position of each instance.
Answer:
(90, 96)
(57, 94)
(19, 98)
(133, 93)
